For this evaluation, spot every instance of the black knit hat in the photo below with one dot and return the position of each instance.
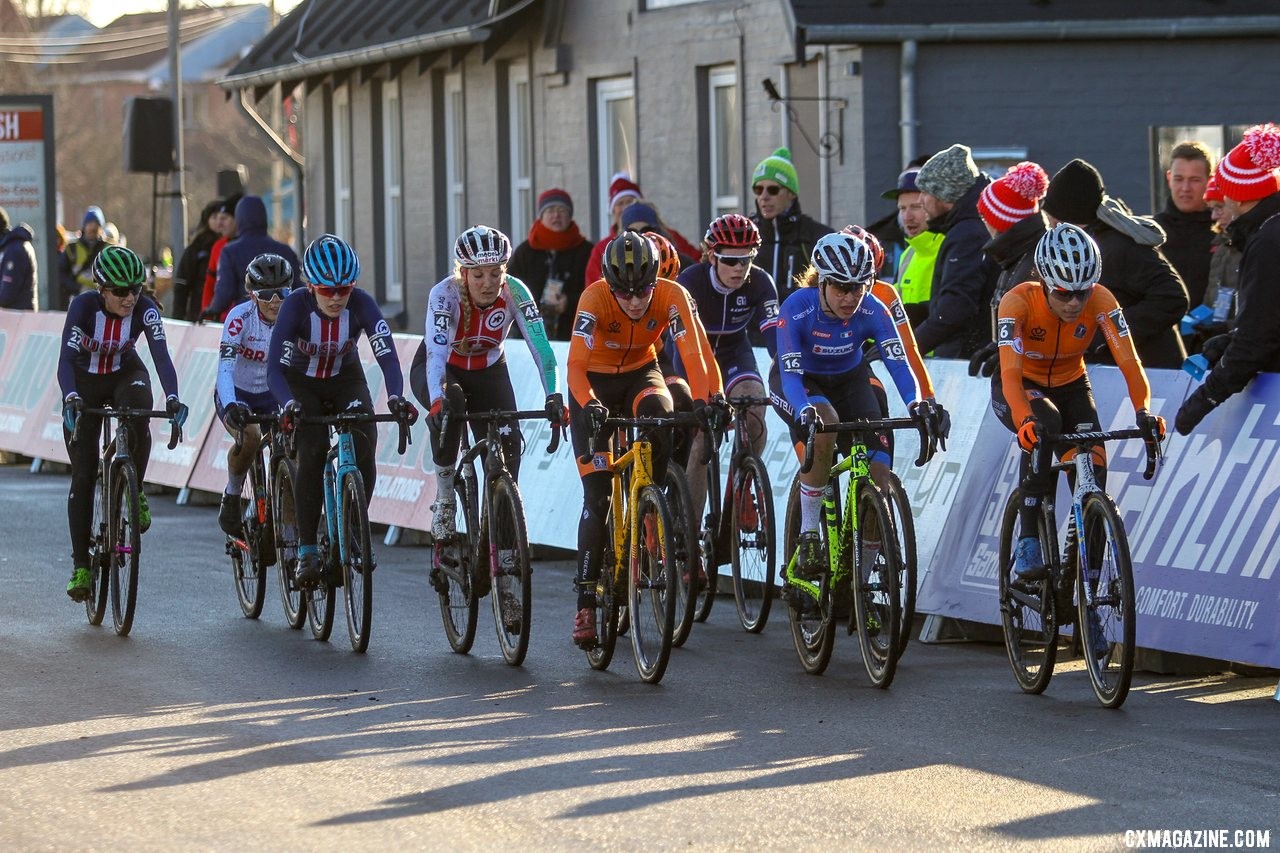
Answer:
(1074, 194)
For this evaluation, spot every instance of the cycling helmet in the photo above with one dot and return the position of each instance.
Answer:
(732, 231)
(268, 271)
(872, 241)
(630, 263)
(1068, 259)
(843, 259)
(330, 262)
(116, 266)
(668, 257)
(482, 246)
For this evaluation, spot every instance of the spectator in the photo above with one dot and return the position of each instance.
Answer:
(1251, 195)
(1010, 208)
(226, 228)
(1222, 294)
(623, 192)
(1185, 219)
(74, 265)
(251, 240)
(19, 275)
(914, 272)
(1147, 287)
(787, 236)
(963, 277)
(188, 280)
(552, 262)
(888, 230)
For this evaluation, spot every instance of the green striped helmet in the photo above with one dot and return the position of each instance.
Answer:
(116, 266)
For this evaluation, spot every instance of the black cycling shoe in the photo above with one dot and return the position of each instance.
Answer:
(229, 515)
(309, 572)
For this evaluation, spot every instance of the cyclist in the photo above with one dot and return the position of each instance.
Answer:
(820, 374)
(464, 364)
(313, 365)
(98, 363)
(242, 388)
(613, 368)
(1043, 330)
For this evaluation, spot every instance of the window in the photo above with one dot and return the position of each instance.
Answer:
(521, 152)
(725, 143)
(393, 158)
(615, 137)
(343, 216)
(455, 165)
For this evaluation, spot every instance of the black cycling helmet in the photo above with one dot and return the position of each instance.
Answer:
(630, 263)
(268, 271)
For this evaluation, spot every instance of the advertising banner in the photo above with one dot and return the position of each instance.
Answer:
(30, 384)
(27, 177)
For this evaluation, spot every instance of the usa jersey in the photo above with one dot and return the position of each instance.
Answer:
(101, 343)
(728, 314)
(242, 355)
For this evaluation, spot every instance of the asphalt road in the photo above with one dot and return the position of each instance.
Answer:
(204, 730)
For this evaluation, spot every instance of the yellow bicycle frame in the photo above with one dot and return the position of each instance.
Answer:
(639, 458)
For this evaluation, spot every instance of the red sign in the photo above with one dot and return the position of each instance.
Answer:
(21, 125)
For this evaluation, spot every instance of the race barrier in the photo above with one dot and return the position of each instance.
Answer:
(1205, 534)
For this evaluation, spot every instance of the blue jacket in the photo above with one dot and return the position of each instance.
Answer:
(18, 277)
(251, 240)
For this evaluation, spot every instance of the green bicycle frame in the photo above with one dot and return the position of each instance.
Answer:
(857, 466)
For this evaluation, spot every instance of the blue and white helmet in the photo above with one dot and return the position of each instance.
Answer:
(330, 262)
(843, 259)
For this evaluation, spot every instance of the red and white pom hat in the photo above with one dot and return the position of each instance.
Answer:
(1248, 172)
(1013, 196)
(621, 186)
(1212, 192)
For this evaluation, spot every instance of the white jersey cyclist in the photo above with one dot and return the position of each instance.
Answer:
(242, 357)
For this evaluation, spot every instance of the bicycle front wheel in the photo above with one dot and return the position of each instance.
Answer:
(684, 537)
(357, 562)
(320, 598)
(247, 570)
(508, 561)
(453, 579)
(125, 547)
(752, 549)
(1104, 600)
(1027, 611)
(95, 606)
(877, 599)
(609, 598)
(285, 523)
(812, 630)
(653, 585)
(904, 529)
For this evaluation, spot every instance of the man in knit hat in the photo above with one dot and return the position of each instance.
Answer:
(552, 262)
(74, 265)
(787, 236)
(963, 277)
(1250, 186)
(1143, 281)
(624, 192)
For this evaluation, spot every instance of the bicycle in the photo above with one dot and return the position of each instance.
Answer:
(115, 539)
(904, 526)
(253, 552)
(875, 584)
(640, 529)
(1096, 568)
(465, 569)
(346, 554)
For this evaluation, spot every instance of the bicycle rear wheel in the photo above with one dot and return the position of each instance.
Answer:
(653, 585)
(1107, 622)
(812, 630)
(453, 579)
(508, 562)
(752, 548)
(320, 598)
(877, 599)
(609, 597)
(904, 529)
(125, 547)
(684, 538)
(247, 570)
(357, 562)
(95, 606)
(1027, 611)
(285, 523)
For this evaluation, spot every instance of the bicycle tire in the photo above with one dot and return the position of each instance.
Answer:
(357, 562)
(508, 562)
(711, 551)
(609, 597)
(904, 528)
(877, 598)
(684, 538)
(459, 605)
(285, 524)
(1028, 615)
(95, 606)
(125, 548)
(752, 553)
(247, 571)
(1104, 536)
(321, 597)
(812, 629)
(652, 586)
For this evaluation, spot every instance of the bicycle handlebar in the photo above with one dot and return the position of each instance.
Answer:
(175, 431)
(1154, 452)
(237, 434)
(922, 424)
(345, 420)
(557, 429)
(675, 419)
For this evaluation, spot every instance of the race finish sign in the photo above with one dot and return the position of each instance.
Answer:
(27, 178)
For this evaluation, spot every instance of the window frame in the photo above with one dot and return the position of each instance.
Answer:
(343, 207)
(393, 189)
(455, 160)
(520, 146)
(724, 77)
(608, 90)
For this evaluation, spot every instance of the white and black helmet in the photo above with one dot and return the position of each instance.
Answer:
(843, 259)
(482, 246)
(1068, 259)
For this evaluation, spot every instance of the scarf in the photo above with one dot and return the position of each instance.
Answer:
(544, 239)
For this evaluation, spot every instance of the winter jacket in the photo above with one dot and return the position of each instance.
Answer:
(1187, 245)
(188, 281)
(251, 240)
(1014, 253)
(19, 278)
(535, 266)
(786, 242)
(915, 274)
(75, 269)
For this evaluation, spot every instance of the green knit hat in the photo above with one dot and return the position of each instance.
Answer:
(777, 167)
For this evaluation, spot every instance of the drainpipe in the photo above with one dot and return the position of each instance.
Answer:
(284, 151)
(907, 100)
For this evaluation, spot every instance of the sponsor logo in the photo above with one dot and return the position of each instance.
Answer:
(440, 340)
(652, 324)
(496, 319)
(613, 345)
(818, 333)
(151, 317)
(1080, 331)
(1037, 334)
(842, 349)
(381, 329)
(614, 327)
(742, 300)
(235, 326)
(1032, 354)
(250, 354)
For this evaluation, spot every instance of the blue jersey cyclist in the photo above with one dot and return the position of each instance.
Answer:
(98, 364)
(242, 388)
(823, 376)
(313, 368)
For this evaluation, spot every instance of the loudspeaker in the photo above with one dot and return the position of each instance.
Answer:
(148, 135)
(231, 180)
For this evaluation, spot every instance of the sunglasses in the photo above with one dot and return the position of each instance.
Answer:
(771, 189)
(331, 292)
(123, 292)
(631, 295)
(734, 260)
(271, 294)
(1069, 296)
(846, 286)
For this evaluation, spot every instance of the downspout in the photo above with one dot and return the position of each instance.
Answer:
(907, 100)
(283, 150)
(824, 163)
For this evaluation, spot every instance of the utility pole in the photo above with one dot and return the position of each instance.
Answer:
(277, 167)
(178, 195)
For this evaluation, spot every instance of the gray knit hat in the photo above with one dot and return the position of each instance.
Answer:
(949, 174)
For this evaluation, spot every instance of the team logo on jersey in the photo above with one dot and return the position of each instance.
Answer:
(235, 326)
(652, 324)
(1037, 334)
(897, 313)
(152, 318)
(842, 349)
(818, 333)
(1117, 319)
(1004, 332)
(441, 321)
(1080, 331)
(742, 300)
(614, 327)
(440, 340)
(791, 362)
(495, 320)
(893, 350)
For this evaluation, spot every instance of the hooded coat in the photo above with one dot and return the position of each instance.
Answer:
(251, 240)
(18, 277)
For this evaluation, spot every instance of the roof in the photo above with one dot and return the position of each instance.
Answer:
(321, 36)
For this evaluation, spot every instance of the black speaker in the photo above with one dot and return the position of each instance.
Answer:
(148, 135)
(231, 180)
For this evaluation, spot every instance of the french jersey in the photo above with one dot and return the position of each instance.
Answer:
(101, 343)
(810, 342)
(242, 354)
(888, 295)
(727, 314)
(474, 339)
(1035, 345)
(307, 341)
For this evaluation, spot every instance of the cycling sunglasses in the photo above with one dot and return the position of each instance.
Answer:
(845, 286)
(123, 292)
(330, 292)
(271, 294)
(633, 294)
(734, 260)
(771, 189)
(1069, 296)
